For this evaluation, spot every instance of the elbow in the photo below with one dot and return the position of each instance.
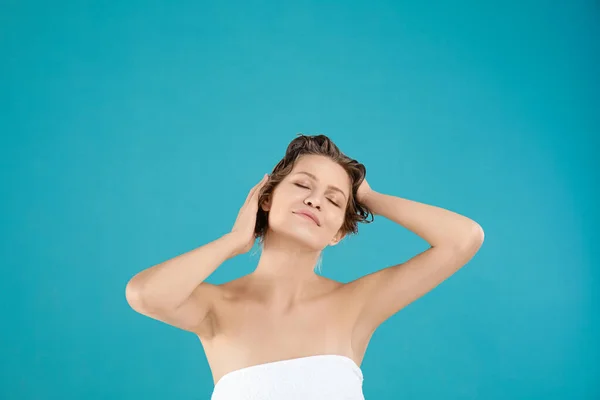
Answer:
(473, 240)
(469, 239)
(478, 234)
(133, 295)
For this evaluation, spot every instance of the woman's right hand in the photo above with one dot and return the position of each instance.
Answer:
(245, 223)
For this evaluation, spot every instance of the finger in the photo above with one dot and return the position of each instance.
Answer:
(255, 188)
(256, 194)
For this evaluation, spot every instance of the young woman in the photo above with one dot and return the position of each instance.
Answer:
(282, 331)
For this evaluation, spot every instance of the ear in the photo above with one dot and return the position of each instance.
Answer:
(266, 205)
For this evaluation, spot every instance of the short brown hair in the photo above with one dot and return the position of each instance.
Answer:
(317, 145)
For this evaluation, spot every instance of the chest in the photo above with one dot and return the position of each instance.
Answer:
(245, 333)
(317, 324)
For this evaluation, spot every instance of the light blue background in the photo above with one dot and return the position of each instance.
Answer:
(132, 131)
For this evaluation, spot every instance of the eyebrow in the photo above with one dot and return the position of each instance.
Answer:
(337, 189)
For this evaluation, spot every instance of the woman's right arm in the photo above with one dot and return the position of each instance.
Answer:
(174, 291)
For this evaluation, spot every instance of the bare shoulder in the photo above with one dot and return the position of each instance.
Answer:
(231, 289)
(347, 291)
(329, 284)
(337, 294)
(209, 295)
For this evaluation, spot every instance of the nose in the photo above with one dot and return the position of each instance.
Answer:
(313, 201)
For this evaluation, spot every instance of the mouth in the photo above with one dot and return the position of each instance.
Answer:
(308, 216)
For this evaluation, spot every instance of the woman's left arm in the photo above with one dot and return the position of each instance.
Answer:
(437, 226)
(454, 240)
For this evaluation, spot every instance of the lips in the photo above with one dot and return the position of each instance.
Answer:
(310, 215)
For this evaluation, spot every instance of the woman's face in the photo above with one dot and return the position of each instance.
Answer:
(318, 186)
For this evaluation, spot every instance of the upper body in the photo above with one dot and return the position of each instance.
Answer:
(244, 329)
(283, 310)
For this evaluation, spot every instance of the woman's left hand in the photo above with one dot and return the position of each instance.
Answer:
(364, 190)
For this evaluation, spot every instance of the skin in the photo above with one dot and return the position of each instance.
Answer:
(283, 309)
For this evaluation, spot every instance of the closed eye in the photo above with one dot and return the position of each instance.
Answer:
(302, 186)
(333, 202)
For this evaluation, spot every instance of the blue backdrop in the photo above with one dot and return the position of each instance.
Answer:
(132, 131)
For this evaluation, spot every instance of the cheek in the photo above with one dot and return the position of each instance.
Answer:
(279, 203)
(280, 210)
(336, 220)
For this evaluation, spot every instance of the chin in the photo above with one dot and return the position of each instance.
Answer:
(302, 233)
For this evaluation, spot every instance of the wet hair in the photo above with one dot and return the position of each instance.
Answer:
(316, 145)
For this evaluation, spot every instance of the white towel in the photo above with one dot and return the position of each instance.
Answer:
(318, 377)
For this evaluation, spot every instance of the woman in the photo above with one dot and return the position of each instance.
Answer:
(282, 331)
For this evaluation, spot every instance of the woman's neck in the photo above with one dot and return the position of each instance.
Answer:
(285, 273)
